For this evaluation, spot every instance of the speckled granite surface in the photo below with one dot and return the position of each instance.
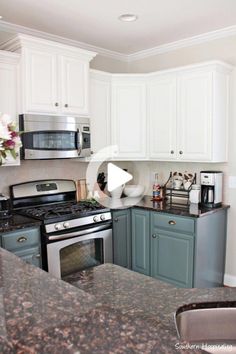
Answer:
(191, 210)
(16, 222)
(108, 310)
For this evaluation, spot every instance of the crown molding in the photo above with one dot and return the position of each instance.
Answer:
(8, 57)
(160, 49)
(14, 29)
(183, 43)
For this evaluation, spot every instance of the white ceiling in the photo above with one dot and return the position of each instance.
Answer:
(96, 21)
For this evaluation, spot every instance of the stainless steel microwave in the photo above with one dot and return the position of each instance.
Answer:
(53, 137)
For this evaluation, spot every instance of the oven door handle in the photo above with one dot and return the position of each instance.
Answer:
(79, 233)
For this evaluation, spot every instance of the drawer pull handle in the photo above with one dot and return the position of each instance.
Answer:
(172, 222)
(22, 239)
(116, 219)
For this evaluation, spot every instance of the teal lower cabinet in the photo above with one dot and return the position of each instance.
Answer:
(172, 257)
(181, 250)
(122, 237)
(24, 243)
(141, 241)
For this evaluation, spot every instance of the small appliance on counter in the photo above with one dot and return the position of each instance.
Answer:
(5, 207)
(211, 188)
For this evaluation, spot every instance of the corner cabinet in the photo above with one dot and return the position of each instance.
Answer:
(24, 243)
(128, 116)
(188, 113)
(8, 92)
(184, 251)
(54, 77)
(122, 237)
(100, 109)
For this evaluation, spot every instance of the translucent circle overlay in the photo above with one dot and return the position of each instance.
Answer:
(106, 154)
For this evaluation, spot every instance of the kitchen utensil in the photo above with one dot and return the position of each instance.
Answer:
(81, 190)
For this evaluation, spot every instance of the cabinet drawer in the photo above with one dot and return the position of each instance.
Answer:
(21, 239)
(173, 223)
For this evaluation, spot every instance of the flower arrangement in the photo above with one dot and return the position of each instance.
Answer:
(10, 141)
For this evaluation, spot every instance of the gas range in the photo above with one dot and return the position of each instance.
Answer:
(74, 236)
(53, 203)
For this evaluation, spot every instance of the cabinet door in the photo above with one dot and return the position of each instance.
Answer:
(100, 110)
(31, 256)
(8, 99)
(40, 82)
(161, 102)
(129, 117)
(140, 241)
(194, 136)
(172, 257)
(74, 85)
(122, 238)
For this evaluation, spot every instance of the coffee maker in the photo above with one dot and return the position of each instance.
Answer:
(211, 188)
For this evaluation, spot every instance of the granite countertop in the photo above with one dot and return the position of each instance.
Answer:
(108, 309)
(15, 222)
(146, 202)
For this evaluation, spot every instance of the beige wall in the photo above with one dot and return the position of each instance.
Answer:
(108, 64)
(221, 49)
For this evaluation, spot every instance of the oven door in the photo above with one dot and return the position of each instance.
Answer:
(47, 137)
(80, 250)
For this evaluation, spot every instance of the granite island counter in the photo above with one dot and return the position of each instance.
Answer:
(108, 310)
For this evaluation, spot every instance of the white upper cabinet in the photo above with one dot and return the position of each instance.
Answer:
(74, 85)
(194, 116)
(8, 92)
(54, 77)
(40, 82)
(161, 103)
(128, 116)
(188, 113)
(100, 110)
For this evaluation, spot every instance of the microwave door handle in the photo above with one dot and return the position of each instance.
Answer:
(79, 141)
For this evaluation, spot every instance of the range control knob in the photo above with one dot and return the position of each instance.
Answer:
(57, 227)
(66, 225)
(95, 219)
(102, 217)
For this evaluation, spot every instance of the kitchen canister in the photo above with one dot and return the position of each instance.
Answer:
(195, 193)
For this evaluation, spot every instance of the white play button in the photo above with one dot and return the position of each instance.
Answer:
(116, 177)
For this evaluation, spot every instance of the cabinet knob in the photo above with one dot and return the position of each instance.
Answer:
(116, 219)
(22, 239)
(56, 104)
(172, 152)
(154, 236)
(66, 105)
(172, 222)
(181, 152)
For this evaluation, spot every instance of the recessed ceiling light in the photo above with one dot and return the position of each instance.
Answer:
(128, 17)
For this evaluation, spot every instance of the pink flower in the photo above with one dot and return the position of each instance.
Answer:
(9, 144)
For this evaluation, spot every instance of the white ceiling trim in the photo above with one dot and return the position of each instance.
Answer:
(164, 48)
(183, 43)
(13, 28)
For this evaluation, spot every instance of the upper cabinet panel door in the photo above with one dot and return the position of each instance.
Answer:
(194, 116)
(40, 84)
(74, 85)
(129, 117)
(161, 102)
(100, 110)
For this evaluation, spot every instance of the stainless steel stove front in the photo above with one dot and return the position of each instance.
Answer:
(74, 251)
